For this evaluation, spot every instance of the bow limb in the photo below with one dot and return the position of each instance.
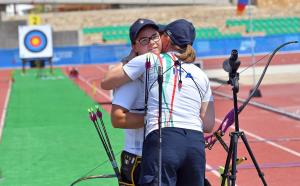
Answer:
(241, 108)
(93, 177)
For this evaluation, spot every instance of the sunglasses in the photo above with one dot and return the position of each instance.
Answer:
(146, 40)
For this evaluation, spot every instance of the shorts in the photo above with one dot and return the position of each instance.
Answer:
(130, 169)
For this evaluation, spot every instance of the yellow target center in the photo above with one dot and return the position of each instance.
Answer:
(35, 41)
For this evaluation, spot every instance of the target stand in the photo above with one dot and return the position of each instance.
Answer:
(35, 46)
(39, 64)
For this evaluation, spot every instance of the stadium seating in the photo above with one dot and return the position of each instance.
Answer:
(120, 33)
(270, 26)
(109, 33)
(214, 33)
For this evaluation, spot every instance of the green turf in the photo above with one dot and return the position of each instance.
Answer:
(48, 139)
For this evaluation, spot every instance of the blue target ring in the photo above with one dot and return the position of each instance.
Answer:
(35, 41)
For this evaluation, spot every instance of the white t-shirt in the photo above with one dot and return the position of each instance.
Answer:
(131, 97)
(180, 106)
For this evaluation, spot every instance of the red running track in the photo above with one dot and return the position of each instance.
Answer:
(278, 59)
(89, 81)
(274, 140)
(5, 86)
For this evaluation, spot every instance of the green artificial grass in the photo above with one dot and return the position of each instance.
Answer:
(48, 139)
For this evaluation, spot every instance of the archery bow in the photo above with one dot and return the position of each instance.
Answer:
(229, 118)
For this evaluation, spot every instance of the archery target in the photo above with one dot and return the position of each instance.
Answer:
(35, 42)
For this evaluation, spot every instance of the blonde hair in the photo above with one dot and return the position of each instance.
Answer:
(187, 54)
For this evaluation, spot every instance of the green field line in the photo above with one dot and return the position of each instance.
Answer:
(48, 139)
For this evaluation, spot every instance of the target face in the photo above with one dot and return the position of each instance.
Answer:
(35, 42)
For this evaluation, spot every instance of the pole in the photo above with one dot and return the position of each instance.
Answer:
(252, 40)
(257, 93)
(160, 82)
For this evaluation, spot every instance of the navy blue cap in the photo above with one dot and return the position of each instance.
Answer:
(181, 32)
(137, 26)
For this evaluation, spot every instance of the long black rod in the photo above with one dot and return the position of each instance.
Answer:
(228, 158)
(107, 139)
(260, 173)
(160, 92)
(99, 115)
(107, 150)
